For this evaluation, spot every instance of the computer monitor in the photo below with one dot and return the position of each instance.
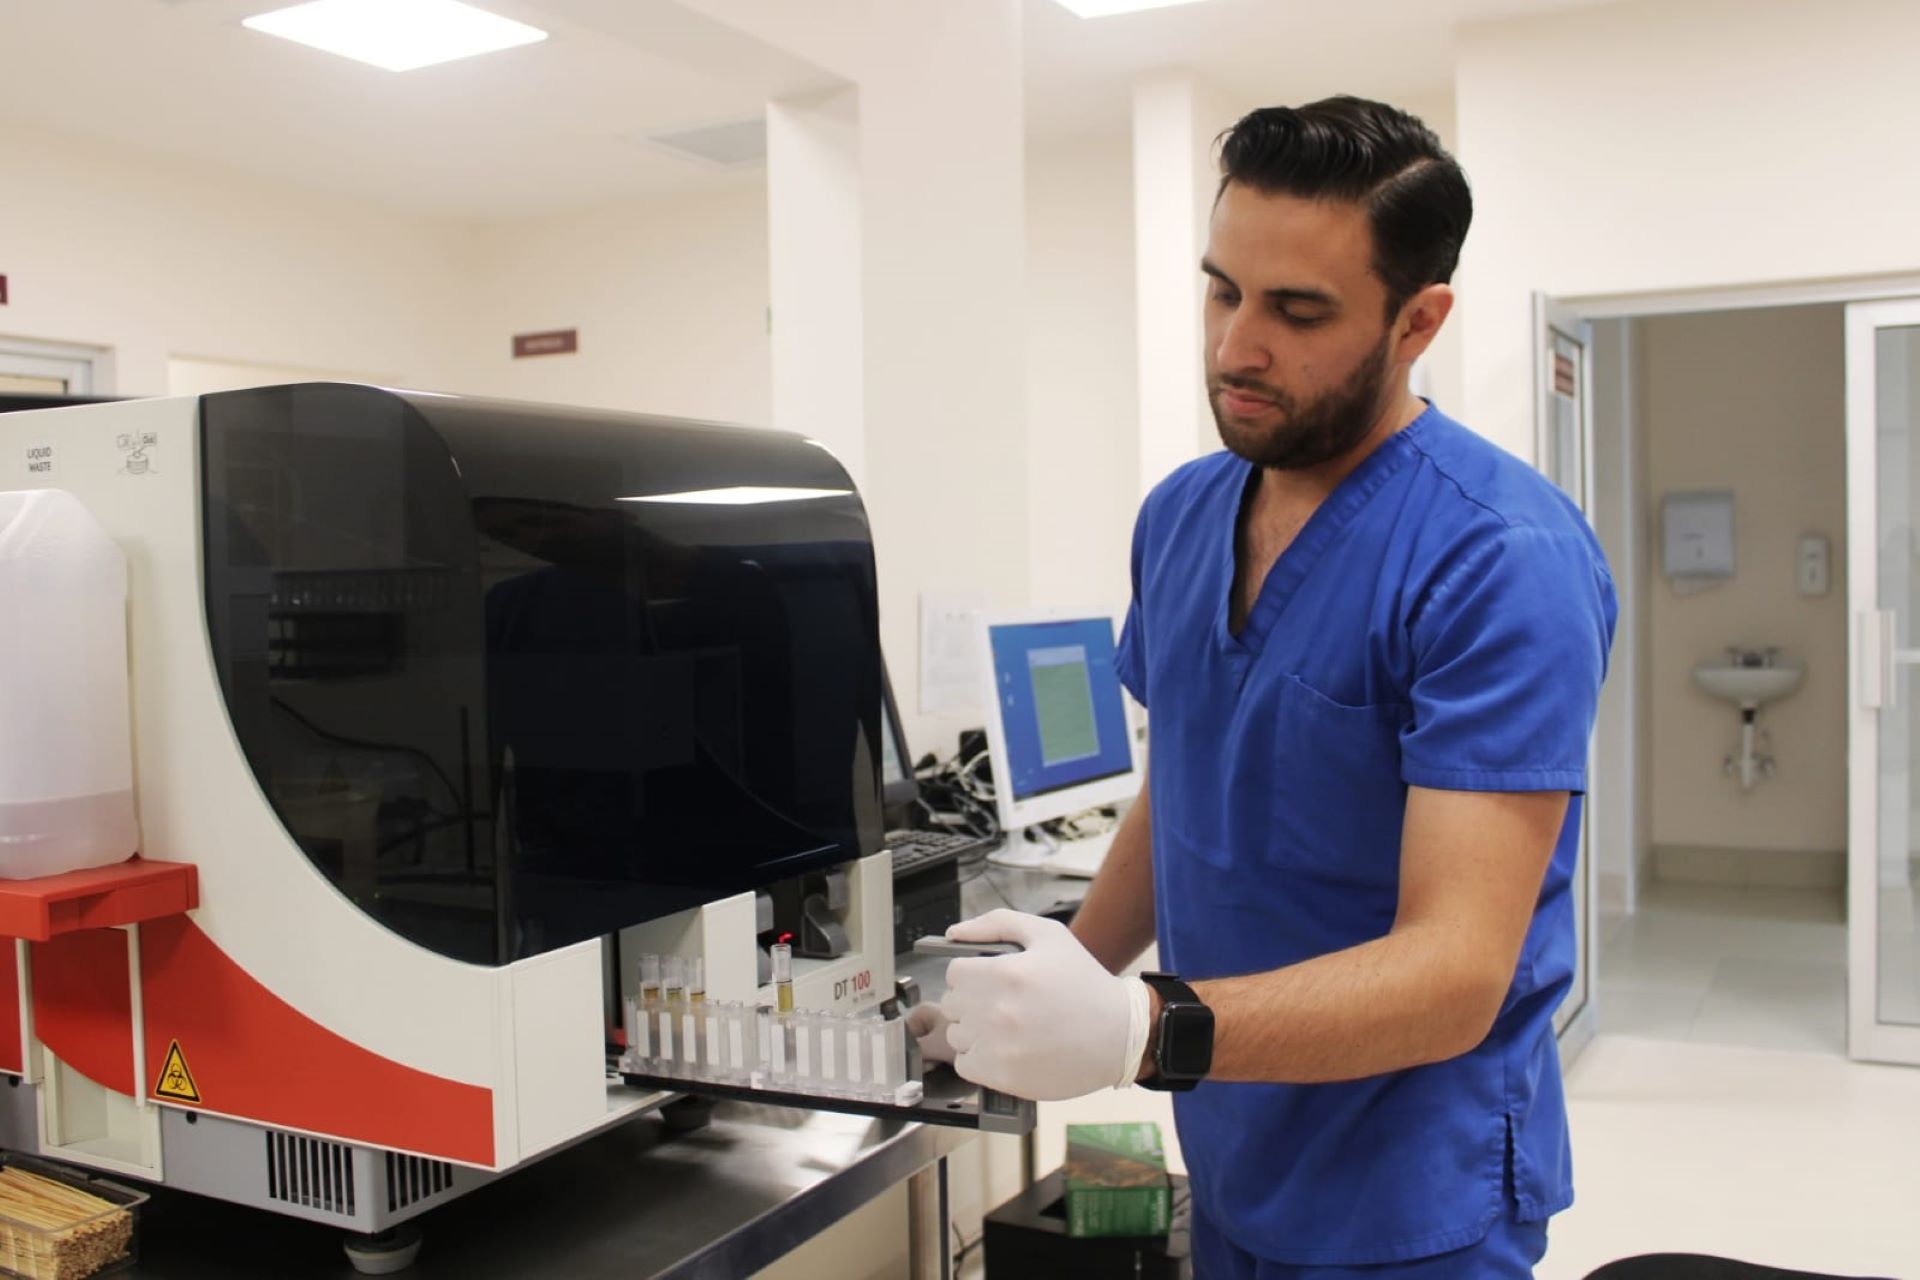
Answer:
(898, 790)
(1056, 717)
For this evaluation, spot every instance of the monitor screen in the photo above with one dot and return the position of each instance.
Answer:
(898, 790)
(1061, 712)
(892, 768)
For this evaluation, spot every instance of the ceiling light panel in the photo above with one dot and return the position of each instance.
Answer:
(398, 35)
(1107, 8)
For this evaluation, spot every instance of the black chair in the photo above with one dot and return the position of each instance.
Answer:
(1695, 1266)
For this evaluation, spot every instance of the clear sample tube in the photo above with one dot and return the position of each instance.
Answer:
(828, 1030)
(649, 979)
(713, 1055)
(667, 1062)
(676, 983)
(874, 1033)
(689, 1041)
(642, 1037)
(697, 981)
(763, 1041)
(639, 1029)
(890, 1056)
(854, 1059)
(804, 1026)
(783, 977)
(672, 997)
(734, 1031)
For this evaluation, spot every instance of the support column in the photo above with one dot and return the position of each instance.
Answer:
(815, 281)
(1175, 120)
(937, 336)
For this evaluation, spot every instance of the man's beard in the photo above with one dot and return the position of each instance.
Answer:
(1310, 434)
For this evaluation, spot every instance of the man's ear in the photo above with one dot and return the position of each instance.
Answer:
(1420, 318)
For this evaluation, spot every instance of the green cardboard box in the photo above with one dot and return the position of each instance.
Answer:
(1117, 1181)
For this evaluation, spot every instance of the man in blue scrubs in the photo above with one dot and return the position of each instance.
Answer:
(1371, 644)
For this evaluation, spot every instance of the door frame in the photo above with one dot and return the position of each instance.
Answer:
(1844, 290)
(87, 371)
(1552, 317)
(1872, 689)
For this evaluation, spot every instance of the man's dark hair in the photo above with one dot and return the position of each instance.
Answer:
(1367, 153)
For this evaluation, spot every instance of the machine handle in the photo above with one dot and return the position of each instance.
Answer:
(1878, 679)
(1881, 658)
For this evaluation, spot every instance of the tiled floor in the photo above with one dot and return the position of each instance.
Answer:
(1800, 1160)
(1757, 967)
(1717, 1113)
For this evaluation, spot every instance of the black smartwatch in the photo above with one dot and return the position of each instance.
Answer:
(1183, 1045)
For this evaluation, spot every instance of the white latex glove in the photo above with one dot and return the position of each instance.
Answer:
(928, 1024)
(1045, 1024)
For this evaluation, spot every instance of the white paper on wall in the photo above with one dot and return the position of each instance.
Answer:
(950, 651)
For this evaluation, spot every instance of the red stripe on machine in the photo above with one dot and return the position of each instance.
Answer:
(256, 1057)
(83, 1004)
(12, 1058)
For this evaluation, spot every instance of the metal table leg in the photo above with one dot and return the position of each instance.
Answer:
(929, 1233)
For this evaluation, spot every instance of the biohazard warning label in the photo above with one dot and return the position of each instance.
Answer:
(176, 1082)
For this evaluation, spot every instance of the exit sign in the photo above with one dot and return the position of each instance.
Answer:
(554, 342)
(3, 291)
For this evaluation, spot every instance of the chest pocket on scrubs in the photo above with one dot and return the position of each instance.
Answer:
(1337, 801)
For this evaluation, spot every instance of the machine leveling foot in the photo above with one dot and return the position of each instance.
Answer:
(385, 1252)
(685, 1115)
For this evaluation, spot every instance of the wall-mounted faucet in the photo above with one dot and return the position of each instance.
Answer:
(1749, 679)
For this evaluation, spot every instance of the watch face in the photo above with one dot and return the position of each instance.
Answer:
(1186, 1040)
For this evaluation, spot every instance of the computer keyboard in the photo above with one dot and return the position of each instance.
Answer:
(917, 850)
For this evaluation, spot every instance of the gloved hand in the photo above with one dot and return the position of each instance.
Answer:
(1045, 1024)
(928, 1024)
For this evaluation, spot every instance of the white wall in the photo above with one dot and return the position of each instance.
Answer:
(1677, 144)
(154, 257)
(1082, 399)
(669, 296)
(157, 259)
(1752, 401)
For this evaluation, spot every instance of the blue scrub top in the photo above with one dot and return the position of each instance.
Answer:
(1442, 621)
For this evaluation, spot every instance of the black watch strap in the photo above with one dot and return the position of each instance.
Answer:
(1183, 1038)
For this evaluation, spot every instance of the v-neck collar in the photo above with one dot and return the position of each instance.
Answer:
(1333, 514)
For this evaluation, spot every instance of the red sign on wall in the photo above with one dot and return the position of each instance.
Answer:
(3, 291)
(1563, 375)
(555, 342)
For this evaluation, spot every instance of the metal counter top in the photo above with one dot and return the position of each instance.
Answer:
(722, 1201)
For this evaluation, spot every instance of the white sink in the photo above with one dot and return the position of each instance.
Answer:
(1750, 686)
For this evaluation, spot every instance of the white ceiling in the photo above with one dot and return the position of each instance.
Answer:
(1256, 52)
(551, 126)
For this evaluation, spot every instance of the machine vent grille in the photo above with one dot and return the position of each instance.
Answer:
(308, 1172)
(411, 1178)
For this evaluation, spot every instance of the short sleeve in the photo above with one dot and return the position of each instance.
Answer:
(1509, 653)
(1130, 659)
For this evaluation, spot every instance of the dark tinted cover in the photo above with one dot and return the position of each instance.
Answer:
(515, 676)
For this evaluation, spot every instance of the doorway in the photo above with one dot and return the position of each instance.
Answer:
(1722, 857)
(30, 368)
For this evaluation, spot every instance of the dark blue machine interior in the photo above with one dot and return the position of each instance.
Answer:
(510, 675)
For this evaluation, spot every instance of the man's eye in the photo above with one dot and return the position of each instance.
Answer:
(1299, 321)
(1227, 296)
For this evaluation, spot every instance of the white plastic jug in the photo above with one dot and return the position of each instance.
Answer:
(66, 742)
